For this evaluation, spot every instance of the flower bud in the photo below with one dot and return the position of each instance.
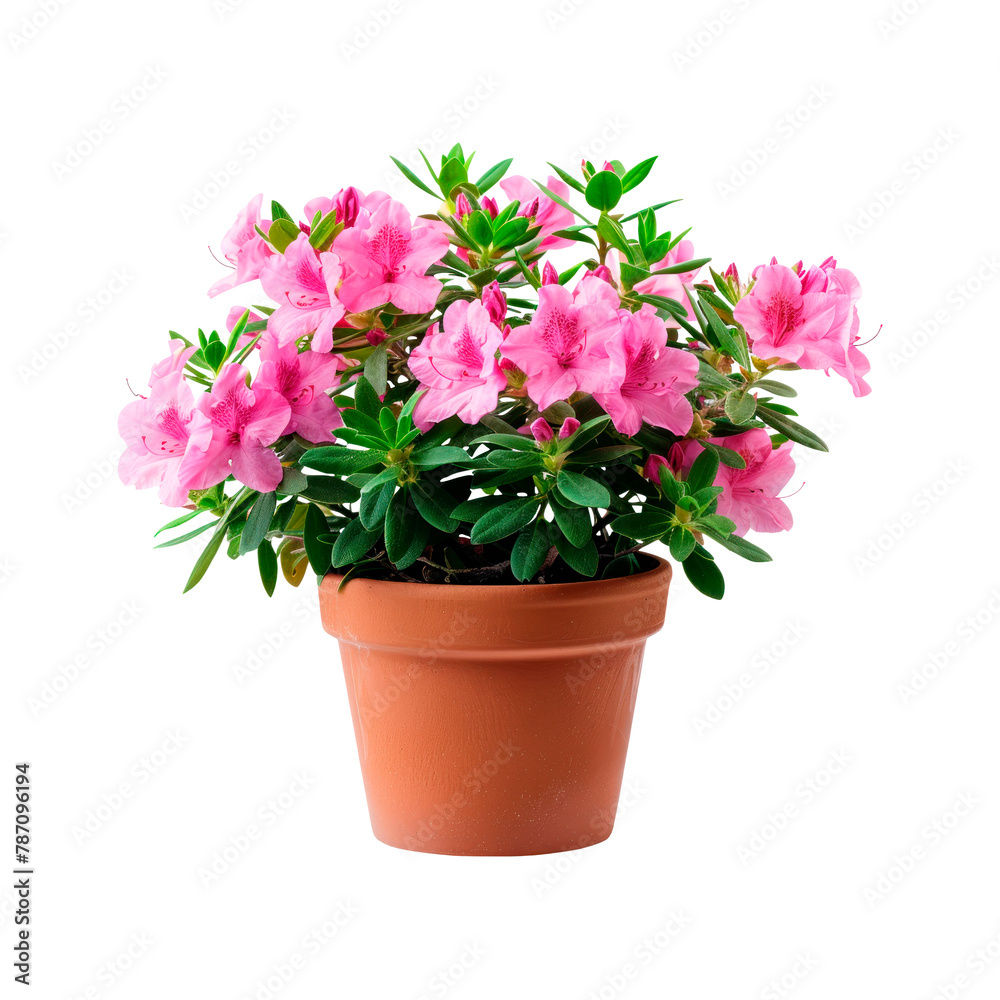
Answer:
(603, 272)
(731, 272)
(489, 206)
(348, 204)
(550, 276)
(607, 166)
(570, 426)
(495, 302)
(375, 337)
(463, 207)
(531, 210)
(541, 430)
(651, 470)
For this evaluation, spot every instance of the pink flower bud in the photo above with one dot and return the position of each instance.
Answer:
(530, 210)
(651, 470)
(348, 204)
(607, 166)
(731, 272)
(570, 426)
(375, 337)
(463, 206)
(550, 276)
(489, 206)
(506, 365)
(603, 272)
(541, 430)
(495, 302)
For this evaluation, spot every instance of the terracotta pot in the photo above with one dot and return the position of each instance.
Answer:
(493, 719)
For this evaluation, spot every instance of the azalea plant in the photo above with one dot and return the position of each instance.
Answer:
(528, 387)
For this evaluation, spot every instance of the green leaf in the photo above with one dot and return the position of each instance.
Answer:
(258, 522)
(515, 442)
(481, 228)
(613, 233)
(727, 456)
(278, 211)
(472, 510)
(635, 176)
(281, 233)
(683, 266)
(584, 559)
(377, 370)
(582, 489)
(341, 461)
(739, 545)
(573, 522)
(503, 521)
(775, 388)
(530, 550)
(412, 177)
(374, 504)
(601, 456)
(322, 234)
(723, 525)
(514, 459)
(317, 549)
(793, 431)
(178, 521)
(732, 341)
(682, 543)
(366, 399)
(740, 406)
(589, 430)
(452, 174)
(511, 232)
(188, 536)
(568, 178)
(703, 471)
(604, 190)
(205, 559)
(431, 458)
(406, 533)
(492, 175)
(267, 563)
(647, 525)
(705, 575)
(435, 505)
(353, 543)
(563, 202)
(707, 375)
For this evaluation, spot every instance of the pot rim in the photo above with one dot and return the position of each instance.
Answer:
(662, 567)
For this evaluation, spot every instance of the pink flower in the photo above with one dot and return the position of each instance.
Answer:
(570, 426)
(304, 284)
(243, 247)
(347, 202)
(495, 302)
(387, 257)
(550, 276)
(230, 433)
(750, 495)
(545, 212)
(809, 319)
(541, 430)
(458, 366)
(671, 286)
(564, 348)
(173, 362)
(655, 377)
(156, 432)
(302, 379)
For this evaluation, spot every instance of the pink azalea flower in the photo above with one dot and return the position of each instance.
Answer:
(671, 286)
(347, 202)
(173, 362)
(230, 433)
(809, 319)
(458, 367)
(243, 247)
(304, 284)
(539, 207)
(750, 495)
(387, 257)
(156, 431)
(302, 379)
(655, 376)
(564, 348)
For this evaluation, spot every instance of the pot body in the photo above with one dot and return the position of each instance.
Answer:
(493, 720)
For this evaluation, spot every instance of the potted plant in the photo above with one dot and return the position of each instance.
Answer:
(471, 447)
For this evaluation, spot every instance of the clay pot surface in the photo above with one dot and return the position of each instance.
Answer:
(493, 720)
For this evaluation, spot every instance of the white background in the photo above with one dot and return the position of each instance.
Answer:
(893, 550)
